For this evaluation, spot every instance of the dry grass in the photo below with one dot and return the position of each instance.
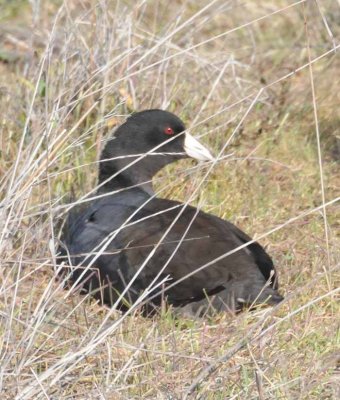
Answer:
(69, 73)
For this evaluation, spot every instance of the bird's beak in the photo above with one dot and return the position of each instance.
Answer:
(195, 149)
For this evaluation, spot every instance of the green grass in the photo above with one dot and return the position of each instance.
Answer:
(68, 103)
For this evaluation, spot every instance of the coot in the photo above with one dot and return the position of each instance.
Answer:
(127, 242)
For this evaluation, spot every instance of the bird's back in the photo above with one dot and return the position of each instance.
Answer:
(119, 233)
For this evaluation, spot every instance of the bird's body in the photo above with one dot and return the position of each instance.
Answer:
(130, 240)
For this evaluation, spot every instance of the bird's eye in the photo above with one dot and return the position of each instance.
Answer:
(168, 131)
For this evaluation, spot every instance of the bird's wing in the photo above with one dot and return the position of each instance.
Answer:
(195, 239)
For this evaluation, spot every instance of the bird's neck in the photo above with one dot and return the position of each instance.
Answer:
(118, 174)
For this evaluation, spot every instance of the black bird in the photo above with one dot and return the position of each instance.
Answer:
(127, 240)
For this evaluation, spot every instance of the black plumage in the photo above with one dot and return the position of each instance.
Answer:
(127, 230)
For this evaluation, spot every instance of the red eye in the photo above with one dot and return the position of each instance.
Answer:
(168, 131)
